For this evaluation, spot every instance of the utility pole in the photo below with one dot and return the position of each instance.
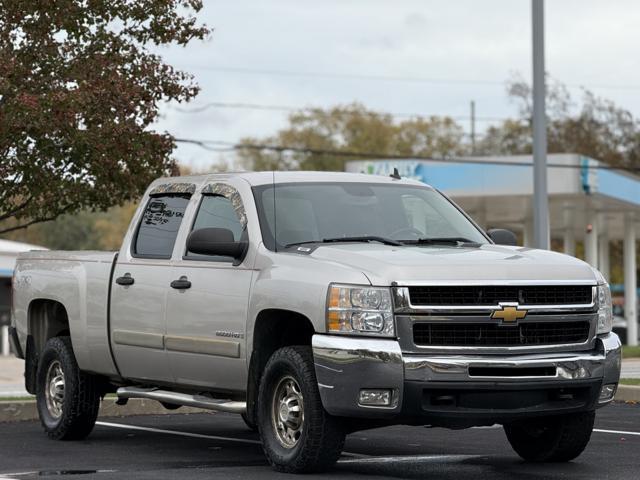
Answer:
(540, 197)
(473, 127)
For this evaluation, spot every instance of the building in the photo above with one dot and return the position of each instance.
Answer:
(588, 202)
(8, 253)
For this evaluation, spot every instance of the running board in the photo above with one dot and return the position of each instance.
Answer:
(183, 399)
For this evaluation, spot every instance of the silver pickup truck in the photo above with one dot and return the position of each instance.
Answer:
(315, 305)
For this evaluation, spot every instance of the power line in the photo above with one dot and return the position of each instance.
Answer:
(290, 108)
(207, 144)
(388, 78)
(351, 76)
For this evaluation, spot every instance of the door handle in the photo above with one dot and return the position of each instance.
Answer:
(127, 279)
(181, 284)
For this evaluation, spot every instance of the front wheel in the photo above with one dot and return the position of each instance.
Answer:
(551, 439)
(68, 399)
(297, 434)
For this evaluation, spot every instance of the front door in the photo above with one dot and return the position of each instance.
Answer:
(207, 309)
(140, 285)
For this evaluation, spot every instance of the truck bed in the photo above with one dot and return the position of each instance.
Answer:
(80, 282)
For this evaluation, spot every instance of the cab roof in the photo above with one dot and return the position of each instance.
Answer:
(267, 178)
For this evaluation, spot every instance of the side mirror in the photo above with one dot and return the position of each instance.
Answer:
(501, 236)
(216, 241)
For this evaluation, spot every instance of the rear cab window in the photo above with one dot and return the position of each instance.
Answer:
(158, 228)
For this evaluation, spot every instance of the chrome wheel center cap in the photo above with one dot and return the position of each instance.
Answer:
(284, 412)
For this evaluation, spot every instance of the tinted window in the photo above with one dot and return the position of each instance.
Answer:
(159, 226)
(217, 212)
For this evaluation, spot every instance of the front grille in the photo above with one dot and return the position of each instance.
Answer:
(494, 335)
(492, 295)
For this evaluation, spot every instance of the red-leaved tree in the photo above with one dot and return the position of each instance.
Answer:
(79, 92)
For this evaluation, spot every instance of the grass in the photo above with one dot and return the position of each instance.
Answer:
(16, 399)
(630, 352)
(111, 396)
(630, 381)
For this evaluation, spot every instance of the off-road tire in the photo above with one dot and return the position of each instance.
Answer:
(322, 437)
(81, 400)
(551, 439)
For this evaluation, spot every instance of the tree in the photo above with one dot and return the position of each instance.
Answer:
(84, 230)
(351, 128)
(79, 91)
(595, 127)
(109, 228)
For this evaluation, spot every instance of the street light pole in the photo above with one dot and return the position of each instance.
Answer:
(540, 198)
(473, 127)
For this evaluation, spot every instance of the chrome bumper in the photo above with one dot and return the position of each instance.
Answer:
(345, 365)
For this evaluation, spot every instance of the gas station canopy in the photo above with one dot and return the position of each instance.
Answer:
(498, 192)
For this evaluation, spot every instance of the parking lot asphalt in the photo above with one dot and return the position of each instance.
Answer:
(220, 446)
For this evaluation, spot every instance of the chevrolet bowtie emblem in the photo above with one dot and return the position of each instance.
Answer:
(509, 313)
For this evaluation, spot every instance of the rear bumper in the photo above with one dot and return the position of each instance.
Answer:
(461, 390)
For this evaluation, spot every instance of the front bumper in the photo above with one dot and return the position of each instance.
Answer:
(460, 389)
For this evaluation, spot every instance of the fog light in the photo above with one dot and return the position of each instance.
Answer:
(608, 391)
(376, 397)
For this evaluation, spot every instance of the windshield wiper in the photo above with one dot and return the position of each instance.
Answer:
(364, 238)
(457, 241)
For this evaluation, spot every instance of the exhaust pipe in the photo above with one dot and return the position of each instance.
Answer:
(183, 399)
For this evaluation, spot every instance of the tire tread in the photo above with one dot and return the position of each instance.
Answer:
(80, 411)
(324, 439)
(568, 438)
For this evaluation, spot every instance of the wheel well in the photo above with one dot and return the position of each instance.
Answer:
(274, 329)
(47, 319)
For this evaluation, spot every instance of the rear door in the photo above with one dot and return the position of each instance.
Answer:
(141, 282)
(206, 322)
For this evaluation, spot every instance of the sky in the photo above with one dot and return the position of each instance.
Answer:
(423, 57)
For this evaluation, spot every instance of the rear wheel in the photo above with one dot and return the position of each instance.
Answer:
(297, 434)
(551, 439)
(68, 400)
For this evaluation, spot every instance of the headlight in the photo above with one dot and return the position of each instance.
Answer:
(605, 313)
(360, 310)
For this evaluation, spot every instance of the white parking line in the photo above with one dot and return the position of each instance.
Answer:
(11, 476)
(410, 459)
(174, 432)
(354, 456)
(616, 432)
(200, 435)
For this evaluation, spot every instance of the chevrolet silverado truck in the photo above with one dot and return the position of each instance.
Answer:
(314, 305)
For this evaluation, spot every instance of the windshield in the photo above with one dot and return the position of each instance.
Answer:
(313, 212)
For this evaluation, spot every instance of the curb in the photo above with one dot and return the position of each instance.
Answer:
(25, 410)
(628, 393)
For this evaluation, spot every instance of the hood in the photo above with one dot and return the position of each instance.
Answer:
(496, 264)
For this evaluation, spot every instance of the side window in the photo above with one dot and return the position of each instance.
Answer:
(159, 226)
(217, 212)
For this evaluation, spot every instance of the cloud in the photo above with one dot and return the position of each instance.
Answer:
(588, 42)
